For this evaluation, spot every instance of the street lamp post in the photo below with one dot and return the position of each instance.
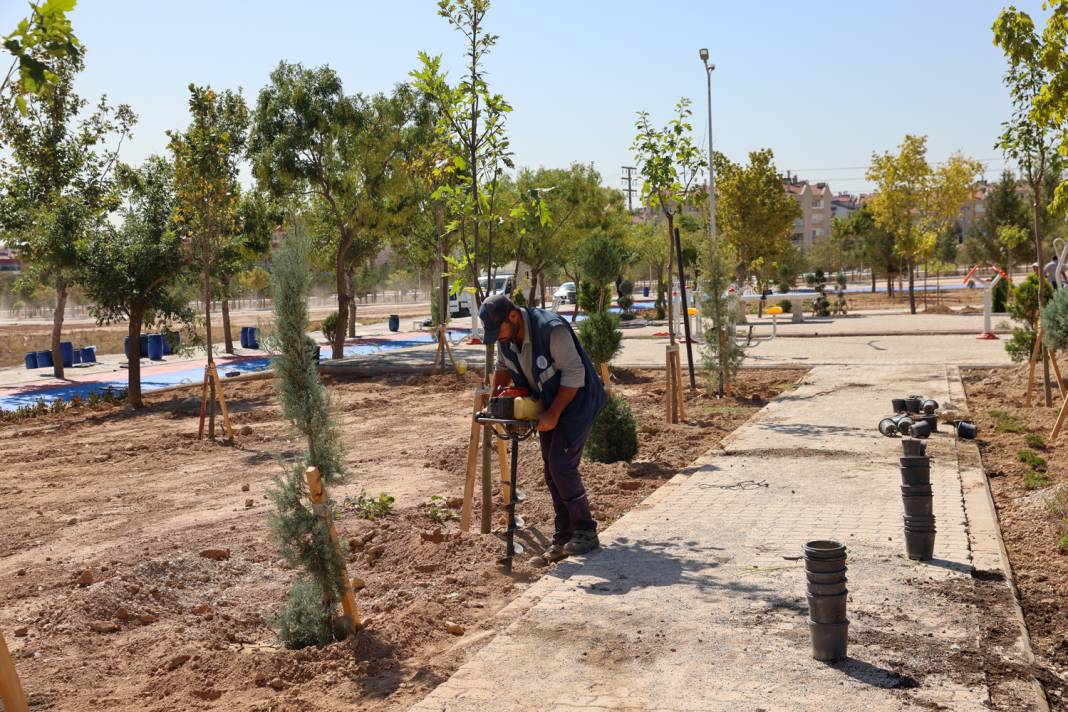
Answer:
(709, 68)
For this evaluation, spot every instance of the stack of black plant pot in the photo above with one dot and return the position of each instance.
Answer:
(917, 497)
(825, 569)
(913, 416)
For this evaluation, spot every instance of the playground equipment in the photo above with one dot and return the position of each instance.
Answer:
(988, 298)
(774, 310)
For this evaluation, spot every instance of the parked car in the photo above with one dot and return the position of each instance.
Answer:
(567, 293)
(463, 304)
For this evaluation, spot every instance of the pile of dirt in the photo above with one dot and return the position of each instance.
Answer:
(1032, 505)
(136, 571)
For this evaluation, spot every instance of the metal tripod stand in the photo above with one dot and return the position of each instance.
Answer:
(514, 431)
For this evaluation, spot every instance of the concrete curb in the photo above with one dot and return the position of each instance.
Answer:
(984, 530)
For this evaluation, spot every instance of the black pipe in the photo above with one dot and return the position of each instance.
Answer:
(685, 307)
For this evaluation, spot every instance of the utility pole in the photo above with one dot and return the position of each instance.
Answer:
(709, 68)
(630, 190)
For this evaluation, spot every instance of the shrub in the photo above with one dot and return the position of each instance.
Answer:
(370, 507)
(786, 305)
(1007, 423)
(625, 300)
(1035, 480)
(1055, 321)
(439, 511)
(615, 435)
(1036, 441)
(1000, 296)
(600, 336)
(1020, 346)
(518, 298)
(302, 620)
(1032, 460)
(329, 326)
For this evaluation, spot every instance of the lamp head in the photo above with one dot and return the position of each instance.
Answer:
(704, 54)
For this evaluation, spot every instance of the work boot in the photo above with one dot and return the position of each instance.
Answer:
(584, 541)
(549, 556)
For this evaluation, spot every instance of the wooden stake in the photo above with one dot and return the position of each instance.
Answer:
(1057, 373)
(472, 464)
(448, 350)
(606, 378)
(679, 392)
(669, 393)
(317, 492)
(1060, 422)
(506, 478)
(10, 688)
(211, 376)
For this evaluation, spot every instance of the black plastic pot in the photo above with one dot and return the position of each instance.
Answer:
(826, 578)
(919, 545)
(903, 423)
(826, 589)
(929, 406)
(932, 422)
(967, 430)
(913, 447)
(914, 404)
(915, 460)
(919, 522)
(827, 609)
(824, 549)
(915, 476)
(917, 490)
(921, 506)
(921, 429)
(830, 641)
(825, 566)
(898, 404)
(888, 427)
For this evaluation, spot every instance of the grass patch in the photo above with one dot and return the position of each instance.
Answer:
(1006, 422)
(1035, 440)
(1035, 480)
(1029, 458)
(370, 507)
(1058, 507)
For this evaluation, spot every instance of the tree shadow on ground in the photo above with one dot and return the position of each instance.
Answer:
(874, 675)
(950, 565)
(627, 565)
(816, 430)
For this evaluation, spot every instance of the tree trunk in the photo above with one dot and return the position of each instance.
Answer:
(133, 392)
(57, 326)
(227, 337)
(1036, 189)
(925, 285)
(338, 346)
(443, 276)
(351, 282)
(207, 341)
(670, 284)
(534, 289)
(912, 287)
(873, 280)
(889, 285)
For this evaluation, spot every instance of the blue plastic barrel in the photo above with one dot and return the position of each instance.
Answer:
(88, 354)
(155, 347)
(66, 352)
(144, 345)
(645, 291)
(126, 346)
(44, 359)
(244, 337)
(31, 360)
(252, 341)
(394, 322)
(76, 356)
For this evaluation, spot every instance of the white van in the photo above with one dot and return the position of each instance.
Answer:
(463, 304)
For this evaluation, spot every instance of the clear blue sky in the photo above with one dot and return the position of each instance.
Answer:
(822, 84)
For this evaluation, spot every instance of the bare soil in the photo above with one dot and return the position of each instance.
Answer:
(1032, 505)
(111, 599)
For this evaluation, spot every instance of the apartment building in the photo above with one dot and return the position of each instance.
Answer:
(815, 200)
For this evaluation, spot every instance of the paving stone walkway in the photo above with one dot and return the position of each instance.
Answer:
(697, 600)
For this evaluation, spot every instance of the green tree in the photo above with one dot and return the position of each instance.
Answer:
(131, 272)
(309, 139)
(36, 44)
(250, 242)
(206, 160)
(753, 213)
(58, 180)
(1003, 207)
(600, 261)
(300, 533)
(722, 354)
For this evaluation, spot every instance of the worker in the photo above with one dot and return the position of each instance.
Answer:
(1053, 270)
(539, 351)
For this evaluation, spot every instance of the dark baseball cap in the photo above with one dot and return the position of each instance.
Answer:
(494, 312)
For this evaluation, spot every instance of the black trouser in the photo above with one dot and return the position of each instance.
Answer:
(565, 484)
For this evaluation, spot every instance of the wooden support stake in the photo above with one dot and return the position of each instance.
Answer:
(669, 392)
(317, 492)
(1060, 422)
(1057, 373)
(212, 374)
(679, 392)
(606, 377)
(506, 478)
(448, 349)
(10, 688)
(472, 464)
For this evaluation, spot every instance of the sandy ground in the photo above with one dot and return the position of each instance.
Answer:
(1033, 512)
(108, 603)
